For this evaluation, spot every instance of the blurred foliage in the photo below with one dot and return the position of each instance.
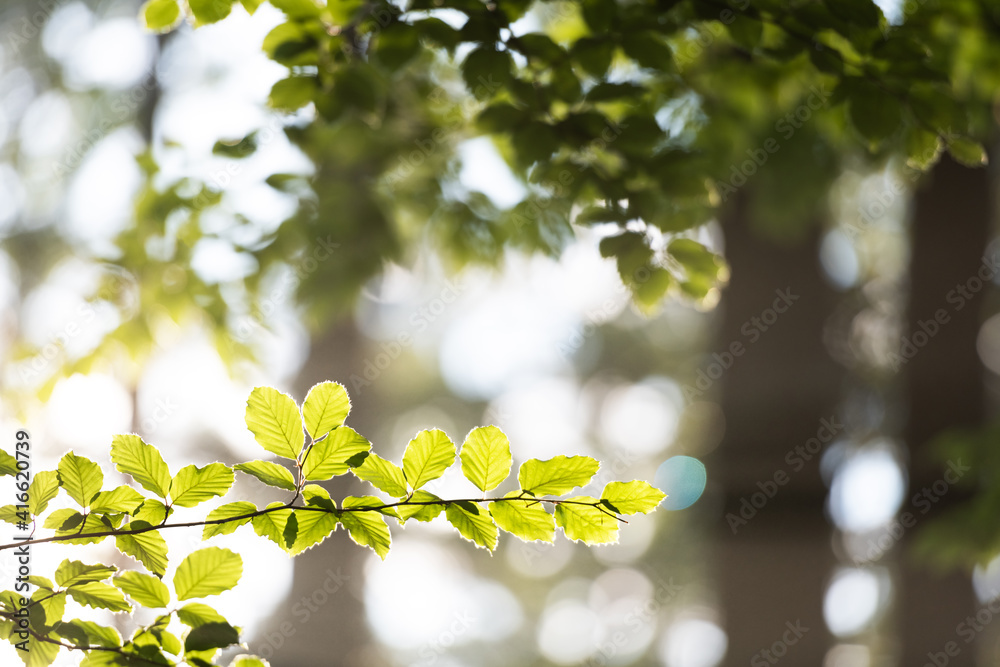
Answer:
(638, 117)
(964, 534)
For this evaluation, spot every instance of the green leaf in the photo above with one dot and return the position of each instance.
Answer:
(293, 93)
(326, 407)
(586, 522)
(328, 457)
(367, 528)
(486, 70)
(146, 590)
(73, 572)
(556, 476)
(317, 496)
(8, 464)
(276, 526)
(270, 473)
(526, 519)
(312, 528)
(81, 477)
(251, 5)
(88, 633)
(967, 152)
(632, 497)
(291, 45)
(161, 15)
(143, 462)
(64, 519)
(39, 654)
(48, 609)
(474, 523)
(117, 500)
(211, 636)
(486, 458)
(299, 9)
(599, 14)
(210, 11)
(864, 13)
(428, 455)
(240, 508)
(148, 548)
(647, 49)
(274, 420)
(922, 148)
(209, 571)
(8, 514)
(192, 485)
(99, 596)
(196, 614)
(384, 475)
(420, 512)
(248, 661)
(875, 113)
(152, 511)
(594, 54)
(396, 45)
(43, 488)
(236, 150)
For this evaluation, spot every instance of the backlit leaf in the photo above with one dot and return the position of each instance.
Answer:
(328, 458)
(147, 590)
(427, 456)
(384, 475)
(486, 457)
(274, 420)
(557, 475)
(143, 462)
(209, 571)
(240, 508)
(632, 497)
(474, 524)
(582, 520)
(325, 408)
(193, 485)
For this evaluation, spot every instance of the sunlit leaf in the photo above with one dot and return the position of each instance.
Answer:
(73, 572)
(143, 462)
(274, 420)
(367, 528)
(325, 408)
(44, 487)
(148, 548)
(193, 485)
(427, 456)
(632, 497)
(473, 523)
(557, 475)
(120, 499)
(230, 511)
(423, 506)
(209, 571)
(329, 457)
(147, 590)
(486, 458)
(99, 596)
(526, 519)
(384, 475)
(582, 520)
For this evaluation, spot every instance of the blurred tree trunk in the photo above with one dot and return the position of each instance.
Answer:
(776, 396)
(328, 629)
(944, 383)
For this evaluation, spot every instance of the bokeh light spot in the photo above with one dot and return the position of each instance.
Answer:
(683, 479)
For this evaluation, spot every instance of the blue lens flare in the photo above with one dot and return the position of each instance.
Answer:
(683, 479)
